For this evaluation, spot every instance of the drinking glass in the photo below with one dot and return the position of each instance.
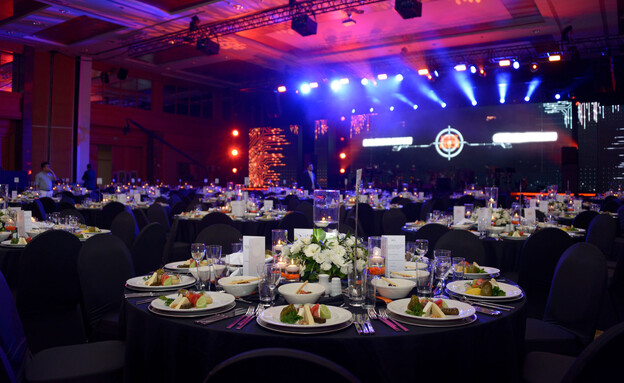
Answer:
(422, 246)
(442, 261)
(269, 278)
(458, 268)
(410, 251)
(4, 195)
(198, 251)
(215, 264)
(234, 261)
(278, 240)
(468, 208)
(424, 277)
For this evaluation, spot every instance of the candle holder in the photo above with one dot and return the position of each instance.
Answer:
(292, 272)
(327, 210)
(279, 239)
(376, 259)
(468, 209)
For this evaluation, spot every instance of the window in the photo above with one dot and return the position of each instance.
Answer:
(187, 102)
(130, 92)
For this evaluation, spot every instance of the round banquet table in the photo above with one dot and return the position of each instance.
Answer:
(164, 349)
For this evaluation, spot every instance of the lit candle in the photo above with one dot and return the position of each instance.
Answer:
(292, 268)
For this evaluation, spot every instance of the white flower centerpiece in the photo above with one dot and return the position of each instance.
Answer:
(318, 254)
(557, 207)
(500, 217)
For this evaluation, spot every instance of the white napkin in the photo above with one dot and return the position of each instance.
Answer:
(234, 258)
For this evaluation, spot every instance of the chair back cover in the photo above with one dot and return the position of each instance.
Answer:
(616, 289)
(577, 290)
(140, 218)
(366, 216)
(426, 208)
(463, 243)
(245, 367)
(48, 291)
(178, 208)
(538, 260)
(214, 218)
(156, 213)
(611, 206)
(147, 249)
(110, 211)
(392, 222)
(293, 220)
(104, 266)
(48, 204)
(307, 209)
(583, 219)
(38, 211)
(125, 228)
(220, 234)
(601, 232)
(12, 338)
(65, 204)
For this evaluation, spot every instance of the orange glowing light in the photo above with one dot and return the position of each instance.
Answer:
(342, 170)
(343, 155)
(235, 152)
(235, 133)
(449, 142)
(234, 170)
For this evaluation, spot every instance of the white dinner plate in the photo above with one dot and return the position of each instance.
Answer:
(399, 307)
(512, 238)
(459, 287)
(188, 314)
(218, 300)
(415, 265)
(138, 283)
(338, 316)
(304, 330)
(8, 243)
(174, 267)
(88, 234)
(415, 322)
(489, 272)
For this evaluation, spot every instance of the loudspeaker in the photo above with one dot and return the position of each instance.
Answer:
(303, 24)
(408, 8)
(122, 73)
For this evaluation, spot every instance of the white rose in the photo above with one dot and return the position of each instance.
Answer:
(345, 269)
(306, 240)
(337, 259)
(311, 250)
(326, 266)
(285, 251)
(295, 248)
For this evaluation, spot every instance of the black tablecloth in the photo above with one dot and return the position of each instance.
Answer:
(162, 349)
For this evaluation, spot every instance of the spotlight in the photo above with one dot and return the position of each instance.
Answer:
(435, 73)
(234, 170)
(371, 110)
(552, 58)
(364, 81)
(415, 107)
(235, 133)
(303, 24)
(423, 72)
(335, 85)
(482, 72)
(516, 65)
(474, 102)
(305, 88)
(342, 118)
(504, 62)
(281, 89)
(534, 67)
(352, 111)
(207, 46)
(342, 170)
(460, 67)
(398, 78)
(443, 104)
(557, 96)
(343, 155)
(344, 81)
(382, 76)
(473, 69)
(313, 85)
(392, 108)
(234, 152)
(502, 100)
(408, 8)
(527, 99)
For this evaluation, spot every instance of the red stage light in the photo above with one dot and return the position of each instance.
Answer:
(234, 152)
(235, 133)
(343, 155)
(342, 170)
(234, 170)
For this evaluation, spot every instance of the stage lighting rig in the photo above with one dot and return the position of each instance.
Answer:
(303, 24)
(207, 46)
(408, 8)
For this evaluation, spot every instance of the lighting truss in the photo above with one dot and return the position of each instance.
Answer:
(260, 19)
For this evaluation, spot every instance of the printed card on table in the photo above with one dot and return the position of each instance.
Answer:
(578, 204)
(238, 208)
(533, 203)
(302, 233)
(253, 254)
(529, 214)
(394, 252)
(268, 204)
(543, 206)
(459, 212)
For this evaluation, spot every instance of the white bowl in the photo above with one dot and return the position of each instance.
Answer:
(4, 235)
(414, 275)
(288, 292)
(204, 271)
(239, 290)
(394, 292)
(415, 265)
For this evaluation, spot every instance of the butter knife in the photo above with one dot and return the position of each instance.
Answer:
(483, 310)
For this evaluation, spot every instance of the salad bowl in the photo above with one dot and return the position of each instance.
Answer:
(313, 293)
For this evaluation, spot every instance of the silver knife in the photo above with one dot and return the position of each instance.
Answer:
(140, 295)
(218, 317)
(483, 310)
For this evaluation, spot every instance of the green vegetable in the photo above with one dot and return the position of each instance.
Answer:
(324, 312)
(168, 301)
(291, 317)
(417, 312)
(414, 307)
(497, 292)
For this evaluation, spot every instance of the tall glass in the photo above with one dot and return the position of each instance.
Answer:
(269, 279)
(468, 210)
(442, 261)
(215, 265)
(198, 252)
(421, 247)
(327, 209)
(234, 261)
(279, 239)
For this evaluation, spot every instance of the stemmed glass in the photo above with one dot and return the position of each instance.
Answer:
(442, 260)
(421, 246)
(215, 264)
(269, 278)
(198, 251)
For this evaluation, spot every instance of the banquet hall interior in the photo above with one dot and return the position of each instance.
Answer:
(491, 129)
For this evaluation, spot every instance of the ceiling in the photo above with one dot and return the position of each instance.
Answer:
(449, 31)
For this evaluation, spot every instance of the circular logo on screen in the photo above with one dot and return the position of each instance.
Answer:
(449, 143)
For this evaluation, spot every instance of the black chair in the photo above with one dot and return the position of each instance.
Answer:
(175, 251)
(601, 232)
(611, 206)
(467, 198)
(148, 248)
(38, 210)
(346, 229)
(220, 234)
(214, 218)
(411, 209)
(574, 302)
(426, 208)
(538, 260)
(583, 219)
(156, 213)
(616, 289)
(161, 199)
(601, 361)
(104, 266)
(291, 202)
(125, 228)
(462, 243)
(392, 221)
(65, 205)
(67, 195)
(73, 213)
(540, 216)
(91, 362)
(48, 291)
(350, 222)
(178, 208)
(293, 220)
(307, 209)
(140, 218)
(110, 211)
(245, 366)
(432, 233)
(48, 204)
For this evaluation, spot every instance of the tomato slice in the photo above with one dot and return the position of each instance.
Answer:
(439, 302)
(193, 298)
(315, 310)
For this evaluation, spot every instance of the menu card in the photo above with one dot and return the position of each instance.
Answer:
(459, 213)
(529, 214)
(13, 194)
(533, 203)
(268, 205)
(543, 206)
(421, 195)
(394, 251)
(363, 198)
(253, 254)
(302, 233)
(578, 204)
(560, 197)
(238, 208)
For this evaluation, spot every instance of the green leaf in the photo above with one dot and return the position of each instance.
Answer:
(319, 234)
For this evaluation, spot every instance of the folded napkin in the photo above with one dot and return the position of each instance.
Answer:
(234, 258)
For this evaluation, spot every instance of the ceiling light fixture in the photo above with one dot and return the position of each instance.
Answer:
(303, 24)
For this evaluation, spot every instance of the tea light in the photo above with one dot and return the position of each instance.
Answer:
(376, 259)
(292, 272)
(277, 247)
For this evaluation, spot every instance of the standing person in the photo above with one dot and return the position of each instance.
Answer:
(309, 179)
(45, 179)
(89, 178)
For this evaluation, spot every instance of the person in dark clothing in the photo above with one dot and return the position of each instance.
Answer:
(89, 178)
(308, 179)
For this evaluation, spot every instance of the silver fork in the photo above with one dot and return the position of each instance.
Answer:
(360, 320)
(250, 311)
(373, 315)
(257, 312)
(384, 314)
(368, 323)
(357, 324)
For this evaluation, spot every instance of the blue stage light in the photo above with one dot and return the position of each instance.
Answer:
(335, 85)
(415, 107)
(516, 65)
(305, 88)
(392, 108)
(398, 77)
(557, 96)
(443, 104)
(527, 99)
(352, 111)
(364, 81)
(371, 110)
(474, 103)
(473, 69)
